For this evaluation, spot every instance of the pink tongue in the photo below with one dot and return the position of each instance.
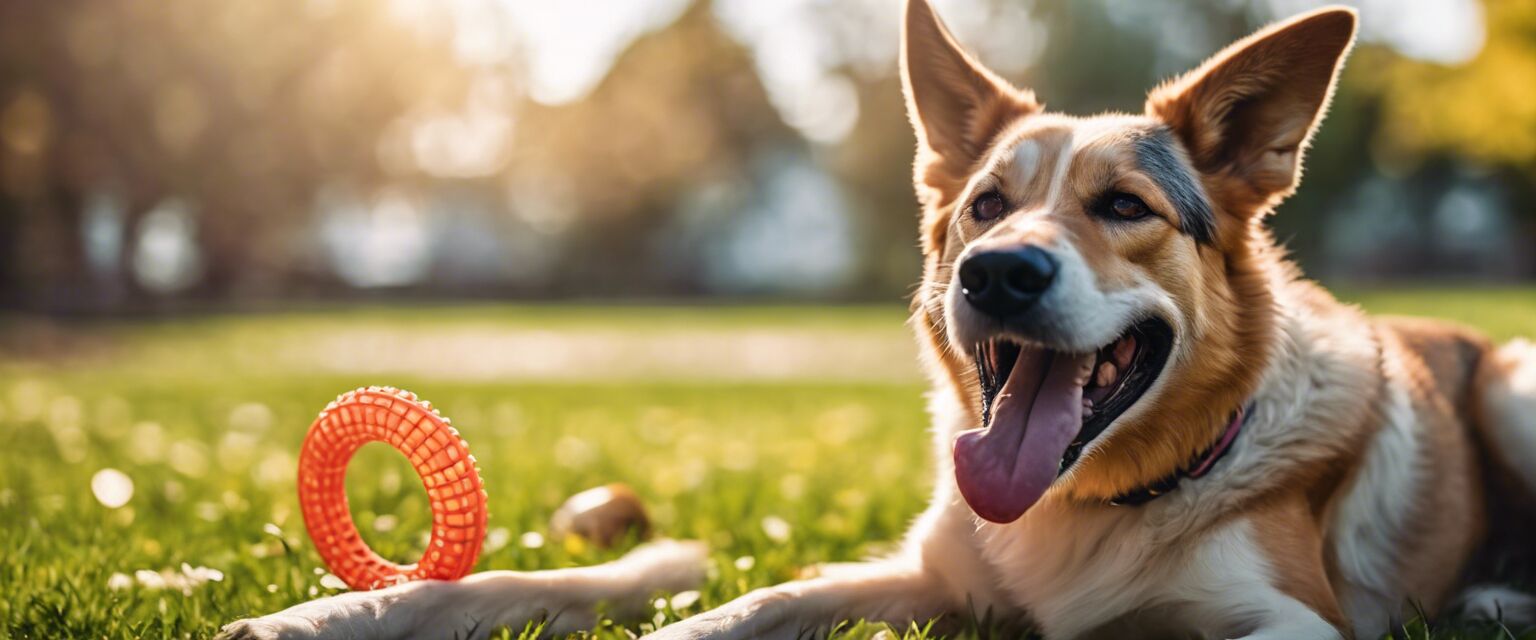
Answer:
(1004, 468)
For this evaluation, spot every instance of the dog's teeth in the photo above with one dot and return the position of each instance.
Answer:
(1087, 412)
(1124, 349)
(1088, 403)
(1106, 374)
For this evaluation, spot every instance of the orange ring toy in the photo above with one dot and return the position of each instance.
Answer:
(440, 456)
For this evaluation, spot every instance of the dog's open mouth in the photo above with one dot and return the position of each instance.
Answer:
(1042, 407)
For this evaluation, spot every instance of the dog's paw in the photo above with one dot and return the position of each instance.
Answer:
(273, 627)
(1494, 603)
(764, 614)
(365, 614)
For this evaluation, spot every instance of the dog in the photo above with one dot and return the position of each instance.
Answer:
(1147, 423)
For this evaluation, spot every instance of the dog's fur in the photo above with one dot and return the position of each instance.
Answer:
(1374, 464)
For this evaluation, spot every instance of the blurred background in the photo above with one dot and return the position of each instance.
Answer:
(185, 153)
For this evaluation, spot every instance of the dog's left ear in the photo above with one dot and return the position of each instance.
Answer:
(1247, 114)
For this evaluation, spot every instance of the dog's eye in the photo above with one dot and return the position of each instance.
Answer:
(1126, 206)
(988, 206)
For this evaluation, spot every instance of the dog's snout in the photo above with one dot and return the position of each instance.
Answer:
(1004, 282)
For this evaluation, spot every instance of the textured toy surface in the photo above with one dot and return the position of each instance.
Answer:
(439, 455)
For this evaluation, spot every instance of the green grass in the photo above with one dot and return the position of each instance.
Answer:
(1502, 313)
(208, 430)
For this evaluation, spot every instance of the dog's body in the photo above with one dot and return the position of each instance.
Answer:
(1101, 297)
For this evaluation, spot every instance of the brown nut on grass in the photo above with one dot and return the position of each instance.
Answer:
(602, 515)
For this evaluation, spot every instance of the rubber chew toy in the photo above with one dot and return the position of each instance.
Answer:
(386, 414)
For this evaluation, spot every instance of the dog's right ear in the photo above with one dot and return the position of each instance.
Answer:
(956, 105)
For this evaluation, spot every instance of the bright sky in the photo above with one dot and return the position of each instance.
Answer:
(572, 44)
(1443, 31)
(567, 47)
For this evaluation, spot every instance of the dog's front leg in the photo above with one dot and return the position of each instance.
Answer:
(894, 591)
(1266, 576)
(566, 600)
(1292, 619)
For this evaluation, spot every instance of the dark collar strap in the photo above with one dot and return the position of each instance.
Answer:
(1198, 467)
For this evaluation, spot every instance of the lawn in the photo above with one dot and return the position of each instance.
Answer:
(782, 436)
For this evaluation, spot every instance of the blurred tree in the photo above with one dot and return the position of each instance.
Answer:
(1483, 111)
(1437, 119)
(245, 110)
(681, 109)
(258, 122)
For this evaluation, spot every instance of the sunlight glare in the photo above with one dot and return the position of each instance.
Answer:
(112, 488)
(571, 45)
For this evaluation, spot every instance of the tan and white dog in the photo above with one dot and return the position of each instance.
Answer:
(1147, 423)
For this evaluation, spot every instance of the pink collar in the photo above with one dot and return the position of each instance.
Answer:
(1203, 465)
(1222, 445)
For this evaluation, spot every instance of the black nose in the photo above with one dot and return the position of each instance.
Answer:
(1004, 282)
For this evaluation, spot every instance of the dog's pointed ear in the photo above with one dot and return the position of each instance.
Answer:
(1247, 114)
(956, 105)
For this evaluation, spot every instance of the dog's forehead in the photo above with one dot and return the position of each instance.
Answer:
(1039, 139)
(1039, 153)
